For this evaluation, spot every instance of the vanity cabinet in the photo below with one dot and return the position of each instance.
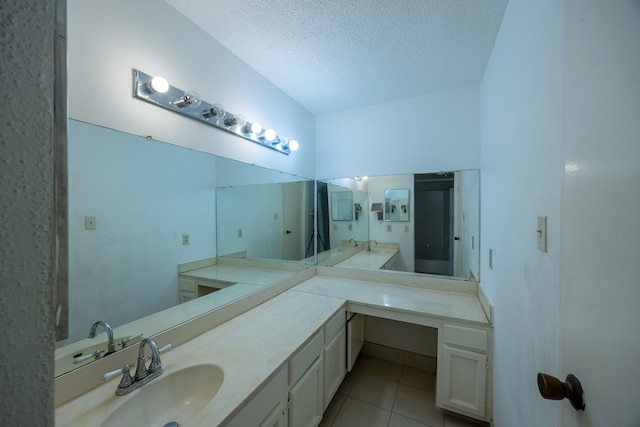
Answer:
(393, 263)
(190, 289)
(187, 290)
(463, 366)
(334, 357)
(306, 384)
(267, 408)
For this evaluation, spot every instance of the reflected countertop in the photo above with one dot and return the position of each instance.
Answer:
(372, 260)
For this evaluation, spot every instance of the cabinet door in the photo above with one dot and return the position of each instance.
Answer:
(278, 418)
(186, 296)
(463, 382)
(355, 339)
(334, 365)
(261, 410)
(305, 398)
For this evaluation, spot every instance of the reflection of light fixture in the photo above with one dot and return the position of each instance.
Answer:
(270, 135)
(158, 91)
(235, 120)
(158, 84)
(215, 111)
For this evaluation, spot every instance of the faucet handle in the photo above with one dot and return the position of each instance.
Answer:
(96, 354)
(113, 374)
(123, 342)
(126, 379)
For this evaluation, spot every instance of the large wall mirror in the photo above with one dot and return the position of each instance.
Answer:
(431, 224)
(140, 208)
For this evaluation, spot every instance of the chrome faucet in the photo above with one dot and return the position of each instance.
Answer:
(111, 347)
(369, 245)
(355, 242)
(154, 367)
(143, 375)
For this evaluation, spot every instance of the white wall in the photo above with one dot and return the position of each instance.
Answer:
(428, 133)
(521, 178)
(144, 195)
(27, 229)
(108, 39)
(600, 291)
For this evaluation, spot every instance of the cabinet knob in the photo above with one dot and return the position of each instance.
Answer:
(553, 389)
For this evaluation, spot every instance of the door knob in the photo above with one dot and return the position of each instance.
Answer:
(552, 388)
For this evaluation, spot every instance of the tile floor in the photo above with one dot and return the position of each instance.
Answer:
(379, 393)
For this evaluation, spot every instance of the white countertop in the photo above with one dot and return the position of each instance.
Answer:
(248, 348)
(252, 346)
(438, 303)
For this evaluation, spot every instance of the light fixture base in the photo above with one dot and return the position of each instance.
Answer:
(201, 112)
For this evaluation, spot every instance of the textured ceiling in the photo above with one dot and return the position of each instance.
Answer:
(331, 56)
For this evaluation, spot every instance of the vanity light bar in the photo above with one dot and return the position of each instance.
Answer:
(158, 91)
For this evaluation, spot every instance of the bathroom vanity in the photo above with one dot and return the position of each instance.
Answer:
(281, 362)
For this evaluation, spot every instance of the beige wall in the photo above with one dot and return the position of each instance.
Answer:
(26, 212)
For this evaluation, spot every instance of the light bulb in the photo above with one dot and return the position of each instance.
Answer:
(235, 120)
(158, 84)
(193, 99)
(270, 135)
(254, 128)
(189, 99)
(293, 145)
(216, 111)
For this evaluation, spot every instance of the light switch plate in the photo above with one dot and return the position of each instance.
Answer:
(542, 233)
(185, 239)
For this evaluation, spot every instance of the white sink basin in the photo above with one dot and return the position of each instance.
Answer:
(174, 396)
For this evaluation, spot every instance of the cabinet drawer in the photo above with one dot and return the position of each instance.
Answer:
(333, 325)
(305, 357)
(463, 336)
(187, 285)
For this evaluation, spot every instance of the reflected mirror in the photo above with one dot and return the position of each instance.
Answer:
(342, 206)
(146, 224)
(266, 221)
(396, 205)
(437, 230)
(337, 238)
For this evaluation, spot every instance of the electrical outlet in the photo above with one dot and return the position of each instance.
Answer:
(90, 223)
(388, 228)
(185, 239)
(406, 228)
(350, 227)
(239, 233)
